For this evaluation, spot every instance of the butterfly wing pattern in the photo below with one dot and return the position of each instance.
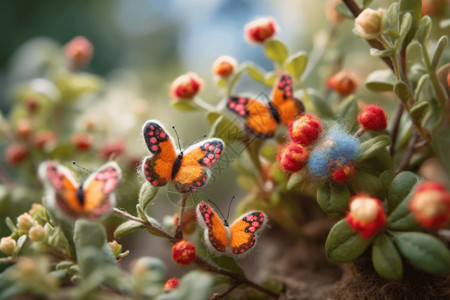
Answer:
(157, 167)
(94, 199)
(190, 172)
(235, 240)
(262, 119)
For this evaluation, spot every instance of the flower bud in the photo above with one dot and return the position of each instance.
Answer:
(224, 66)
(370, 23)
(341, 173)
(171, 284)
(186, 86)
(112, 148)
(79, 52)
(24, 222)
(430, 204)
(293, 157)
(189, 221)
(366, 215)
(115, 247)
(37, 209)
(305, 130)
(183, 253)
(15, 154)
(260, 29)
(344, 82)
(373, 118)
(24, 129)
(81, 141)
(8, 245)
(37, 233)
(44, 138)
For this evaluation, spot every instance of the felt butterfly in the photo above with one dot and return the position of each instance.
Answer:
(237, 239)
(92, 199)
(188, 168)
(262, 119)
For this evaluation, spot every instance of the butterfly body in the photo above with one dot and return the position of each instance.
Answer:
(188, 168)
(92, 199)
(263, 119)
(237, 239)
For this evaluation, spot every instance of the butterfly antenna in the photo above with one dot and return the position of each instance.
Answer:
(178, 138)
(217, 209)
(202, 137)
(229, 206)
(83, 168)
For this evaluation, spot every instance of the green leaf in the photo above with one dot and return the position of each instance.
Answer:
(424, 251)
(333, 198)
(401, 89)
(372, 146)
(296, 64)
(73, 85)
(295, 179)
(401, 218)
(415, 8)
(441, 144)
(147, 194)
(184, 105)
(386, 259)
(378, 162)
(400, 187)
(364, 182)
(322, 108)
(441, 45)
(420, 84)
(344, 244)
(382, 53)
(423, 30)
(347, 111)
(419, 110)
(88, 233)
(126, 228)
(366, 3)
(380, 81)
(392, 16)
(225, 129)
(228, 263)
(404, 29)
(270, 78)
(276, 50)
(254, 71)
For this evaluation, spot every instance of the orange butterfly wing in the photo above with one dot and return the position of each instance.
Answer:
(259, 119)
(193, 172)
(245, 230)
(98, 191)
(215, 235)
(61, 188)
(158, 167)
(283, 99)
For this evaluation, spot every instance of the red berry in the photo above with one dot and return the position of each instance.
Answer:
(305, 130)
(79, 52)
(183, 253)
(82, 141)
(373, 118)
(293, 157)
(344, 82)
(15, 154)
(171, 284)
(260, 29)
(224, 66)
(43, 138)
(343, 173)
(186, 86)
(366, 215)
(112, 148)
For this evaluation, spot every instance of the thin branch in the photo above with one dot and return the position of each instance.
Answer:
(179, 229)
(395, 127)
(360, 132)
(147, 225)
(409, 153)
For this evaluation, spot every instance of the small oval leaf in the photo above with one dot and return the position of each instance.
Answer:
(296, 64)
(276, 50)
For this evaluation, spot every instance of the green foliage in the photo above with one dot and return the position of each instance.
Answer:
(333, 198)
(193, 286)
(386, 259)
(296, 64)
(344, 244)
(380, 81)
(276, 50)
(401, 186)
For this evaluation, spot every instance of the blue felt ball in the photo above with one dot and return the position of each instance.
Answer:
(346, 146)
(318, 164)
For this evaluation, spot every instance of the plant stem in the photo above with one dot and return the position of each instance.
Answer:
(147, 225)
(360, 132)
(221, 295)
(238, 279)
(395, 127)
(409, 153)
(179, 229)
